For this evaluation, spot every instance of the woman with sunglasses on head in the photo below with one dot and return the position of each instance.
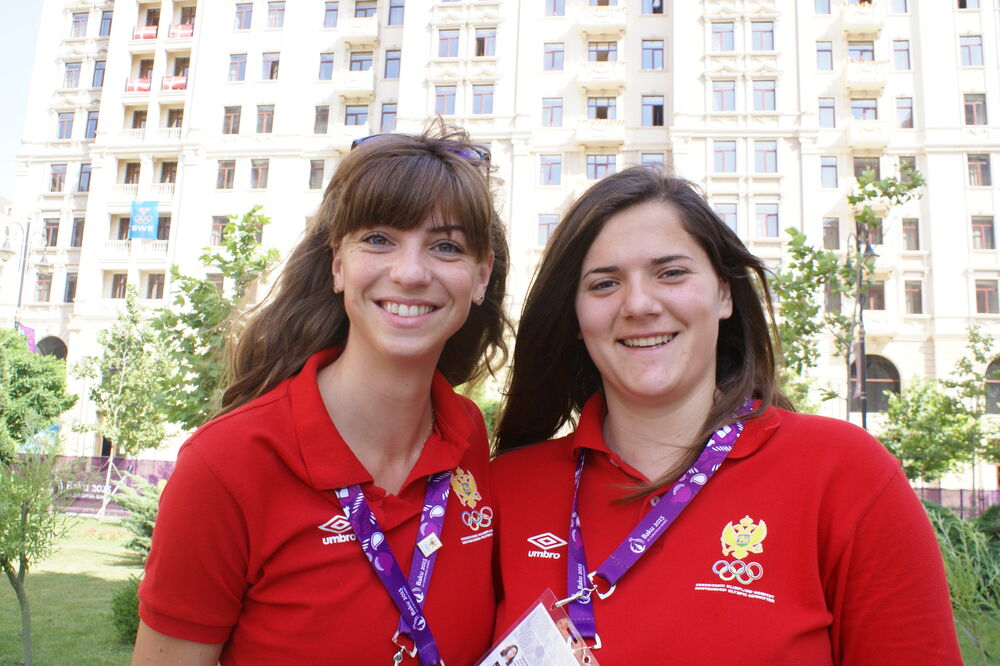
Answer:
(689, 518)
(338, 509)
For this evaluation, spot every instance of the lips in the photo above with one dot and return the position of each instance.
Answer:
(647, 342)
(404, 310)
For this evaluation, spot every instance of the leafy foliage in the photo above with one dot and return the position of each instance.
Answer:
(142, 501)
(195, 327)
(125, 610)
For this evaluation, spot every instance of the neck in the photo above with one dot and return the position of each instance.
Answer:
(654, 438)
(382, 411)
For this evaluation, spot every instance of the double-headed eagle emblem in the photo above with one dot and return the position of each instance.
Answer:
(743, 538)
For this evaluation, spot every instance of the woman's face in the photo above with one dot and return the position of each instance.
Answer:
(407, 292)
(649, 305)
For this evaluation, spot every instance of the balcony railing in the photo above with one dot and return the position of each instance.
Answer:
(145, 32)
(868, 134)
(163, 190)
(356, 84)
(864, 18)
(175, 82)
(359, 30)
(600, 131)
(125, 190)
(181, 30)
(867, 75)
(132, 135)
(116, 248)
(168, 133)
(609, 75)
(148, 247)
(601, 20)
(138, 84)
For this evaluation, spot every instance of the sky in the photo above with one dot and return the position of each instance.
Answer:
(18, 31)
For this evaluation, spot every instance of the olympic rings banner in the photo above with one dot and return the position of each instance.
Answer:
(145, 219)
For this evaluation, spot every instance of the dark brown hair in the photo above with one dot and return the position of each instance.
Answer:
(394, 180)
(553, 375)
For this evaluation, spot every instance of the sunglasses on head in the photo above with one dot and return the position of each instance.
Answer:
(468, 152)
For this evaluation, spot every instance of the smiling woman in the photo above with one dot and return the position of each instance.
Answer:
(343, 460)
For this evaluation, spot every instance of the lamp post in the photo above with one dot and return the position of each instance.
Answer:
(866, 259)
(7, 251)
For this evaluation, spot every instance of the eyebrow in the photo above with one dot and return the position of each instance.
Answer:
(658, 261)
(447, 228)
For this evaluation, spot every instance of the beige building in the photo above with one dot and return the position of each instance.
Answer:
(207, 108)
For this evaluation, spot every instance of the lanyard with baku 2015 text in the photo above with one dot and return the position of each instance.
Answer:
(407, 595)
(650, 528)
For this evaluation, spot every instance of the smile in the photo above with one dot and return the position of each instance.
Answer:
(404, 310)
(651, 341)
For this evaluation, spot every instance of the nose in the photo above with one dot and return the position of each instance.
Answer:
(410, 268)
(640, 299)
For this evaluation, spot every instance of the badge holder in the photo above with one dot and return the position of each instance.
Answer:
(543, 636)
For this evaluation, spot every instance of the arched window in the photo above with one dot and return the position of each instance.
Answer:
(883, 378)
(993, 387)
(52, 346)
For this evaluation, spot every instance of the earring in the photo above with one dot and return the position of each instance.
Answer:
(336, 288)
(479, 301)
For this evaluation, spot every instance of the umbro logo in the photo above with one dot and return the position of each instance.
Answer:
(341, 528)
(546, 541)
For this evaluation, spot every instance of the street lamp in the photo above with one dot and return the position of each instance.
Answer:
(866, 260)
(7, 252)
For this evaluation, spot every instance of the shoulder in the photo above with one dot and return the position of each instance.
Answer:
(822, 433)
(534, 460)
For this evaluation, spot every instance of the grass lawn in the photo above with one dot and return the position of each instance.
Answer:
(70, 596)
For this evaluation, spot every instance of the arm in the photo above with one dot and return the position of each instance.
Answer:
(152, 647)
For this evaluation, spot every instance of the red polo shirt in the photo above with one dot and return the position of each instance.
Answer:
(248, 548)
(807, 546)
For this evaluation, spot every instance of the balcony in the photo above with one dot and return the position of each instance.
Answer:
(601, 75)
(359, 30)
(168, 133)
(131, 135)
(127, 191)
(356, 85)
(162, 191)
(116, 249)
(145, 32)
(600, 132)
(868, 134)
(175, 83)
(181, 31)
(138, 84)
(863, 20)
(149, 248)
(866, 75)
(609, 20)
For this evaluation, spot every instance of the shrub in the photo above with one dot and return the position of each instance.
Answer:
(125, 610)
(142, 501)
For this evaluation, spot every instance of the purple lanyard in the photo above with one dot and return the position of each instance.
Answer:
(408, 595)
(650, 528)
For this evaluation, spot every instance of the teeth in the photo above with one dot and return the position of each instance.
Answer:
(406, 310)
(647, 342)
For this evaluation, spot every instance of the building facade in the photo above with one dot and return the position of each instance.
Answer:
(205, 109)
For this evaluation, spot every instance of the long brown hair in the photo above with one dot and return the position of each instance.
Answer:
(553, 375)
(394, 180)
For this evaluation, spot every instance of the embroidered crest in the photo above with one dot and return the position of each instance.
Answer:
(465, 487)
(743, 538)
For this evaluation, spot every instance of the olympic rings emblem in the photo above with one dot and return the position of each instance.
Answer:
(476, 519)
(742, 572)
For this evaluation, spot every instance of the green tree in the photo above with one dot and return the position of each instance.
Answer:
(124, 383)
(195, 327)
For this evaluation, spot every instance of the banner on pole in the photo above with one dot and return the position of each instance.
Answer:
(145, 219)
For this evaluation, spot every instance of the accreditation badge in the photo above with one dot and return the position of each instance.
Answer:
(542, 636)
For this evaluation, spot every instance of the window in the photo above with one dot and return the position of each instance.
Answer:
(482, 99)
(993, 387)
(447, 43)
(258, 174)
(552, 111)
(602, 108)
(651, 159)
(822, 6)
(872, 234)
(69, 292)
(762, 36)
(231, 119)
(975, 109)
(105, 29)
(392, 59)
(57, 177)
(824, 56)
(145, 68)
(827, 112)
(154, 285)
(120, 231)
(388, 117)
(764, 95)
(725, 156)
(217, 280)
(163, 229)
(828, 171)
(979, 170)
(315, 174)
(244, 14)
(911, 234)
(486, 42)
(864, 51)
(226, 175)
(831, 233)
(98, 80)
(355, 114)
(551, 169)
(132, 170)
(875, 296)
(602, 51)
(862, 164)
(71, 77)
(43, 288)
(986, 297)
(831, 299)
(970, 47)
(444, 100)
(881, 378)
(552, 57)
(364, 8)
(360, 61)
(547, 224)
(727, 213)
(330, 11)
(321, 120)
(326, 66)
(652, 54)
(864, 109)
(555, 7)
(724, 95)
(395, 12)
(900, 6)
(275, 14)
(269, 62)
(652, 6)
(765, 156)
(722, 37)
(904, 112)
(187, 16)
(901, 54)
(983, 237)
(175, 117)
(238, 66)
(968, 4)
(168, 172)
(599, 166)
(83, 182)
(767, 219)
(50, 229)
(76, 238)
(79, 26)
(652, 111)
(64, 126)
(119, 282)
(218, 234)
(265, 119)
